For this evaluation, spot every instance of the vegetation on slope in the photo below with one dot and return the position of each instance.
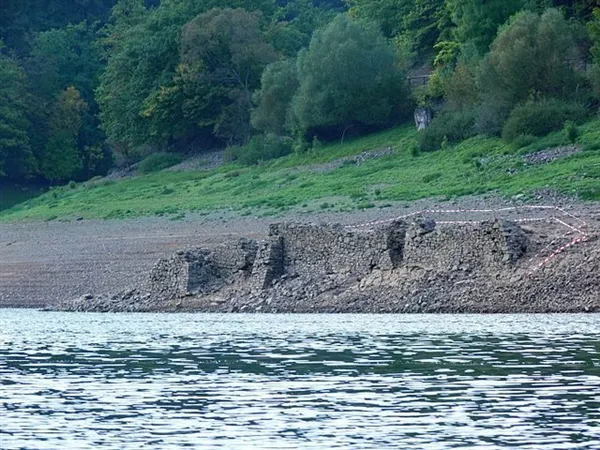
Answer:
(93, 82)
(329, 178)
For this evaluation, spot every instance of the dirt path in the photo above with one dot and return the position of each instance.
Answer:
(41, 263)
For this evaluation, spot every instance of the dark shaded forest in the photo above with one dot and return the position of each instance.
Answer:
(89, 84)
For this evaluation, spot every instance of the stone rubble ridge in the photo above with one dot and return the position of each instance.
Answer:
(414, 265)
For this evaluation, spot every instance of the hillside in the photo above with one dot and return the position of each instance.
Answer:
(376, 171)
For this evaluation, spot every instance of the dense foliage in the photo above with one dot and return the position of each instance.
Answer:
(86, 84)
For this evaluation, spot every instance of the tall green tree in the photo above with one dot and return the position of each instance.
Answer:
(530, 59)
(16, 159)
(61, 58)
(388, 14)
(150, 84)
(415, 24)
(20, 19)
(279, 84)
(293, 25)
(477, 22)
(228, 50)
(594, 29)
(142, 48)
(349, 77)
(62, 157)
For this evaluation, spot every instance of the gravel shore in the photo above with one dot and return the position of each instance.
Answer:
(44, 263)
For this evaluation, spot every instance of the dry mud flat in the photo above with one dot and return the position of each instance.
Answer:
(450, 260)
(43, 263)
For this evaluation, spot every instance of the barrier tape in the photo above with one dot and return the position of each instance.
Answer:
(583, 236)
(569, 226)
(557, 252)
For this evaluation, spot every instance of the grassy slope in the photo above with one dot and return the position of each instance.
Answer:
(476, 166)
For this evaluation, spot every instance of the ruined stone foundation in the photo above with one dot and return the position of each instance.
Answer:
(401, 266)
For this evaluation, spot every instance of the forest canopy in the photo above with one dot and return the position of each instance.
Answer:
(88, 84)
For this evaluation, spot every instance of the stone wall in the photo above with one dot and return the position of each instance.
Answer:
(201, 271)
(310, 249)
(316, 252)
(179, 275)
(269, 264)
(486, 245)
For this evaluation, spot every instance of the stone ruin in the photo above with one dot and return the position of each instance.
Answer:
(486, 245)
(423, 117)
(311, 251)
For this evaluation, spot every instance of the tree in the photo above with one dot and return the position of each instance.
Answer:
(143, 51)
(20, 19)
(279, 84)
(151, 85)
(415, 24)
(62, 157)
(529, 59)
(478, 22)
(389, 15)
(224, 52)
(16, 159)
(61, 58)
(349, 76)
(293, 25)
(594, 29)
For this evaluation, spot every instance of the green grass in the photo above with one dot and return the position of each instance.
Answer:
(476, 166)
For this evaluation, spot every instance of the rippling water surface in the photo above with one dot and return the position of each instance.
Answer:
(82, 381)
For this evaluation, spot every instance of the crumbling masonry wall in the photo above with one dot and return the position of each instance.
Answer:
(310, 251)
(481, 246)
(198, 271)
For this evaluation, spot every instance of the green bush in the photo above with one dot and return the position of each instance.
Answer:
(446, 129)
(591, 147)
(262, 147)
(541, 118)
(279, 83)
(432, 177)
(158, 161)
(572, 131)
(530, 56)
(523, 140)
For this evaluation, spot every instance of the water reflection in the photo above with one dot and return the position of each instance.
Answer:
(152, 381)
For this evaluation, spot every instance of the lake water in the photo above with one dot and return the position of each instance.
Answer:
(127, 381)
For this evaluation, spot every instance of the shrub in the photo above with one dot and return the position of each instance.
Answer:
(591, 147)
(262, 147)
(158, 161)
(489, 118)
(279, 83)
(523, 140)
(541, 118)
(446, 129)
(572, 131)
(432, 177)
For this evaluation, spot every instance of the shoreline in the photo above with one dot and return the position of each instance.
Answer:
(51, 264)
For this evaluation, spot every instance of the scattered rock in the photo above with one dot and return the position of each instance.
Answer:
(552, 154)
